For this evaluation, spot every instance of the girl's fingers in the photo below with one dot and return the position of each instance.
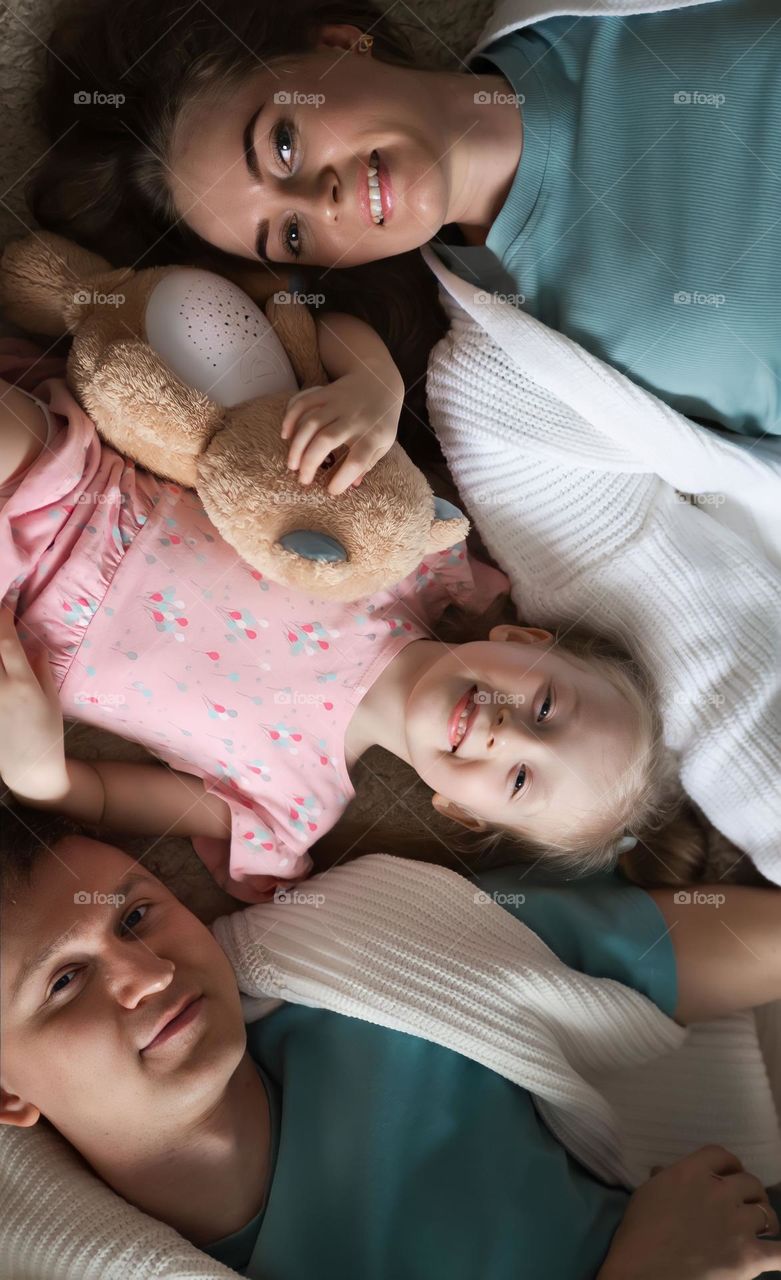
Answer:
(351, 471)
(305, 431)
(13, 659)
(297, 405)
(316, 452)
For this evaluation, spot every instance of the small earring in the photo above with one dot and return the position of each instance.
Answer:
(365, 43)
(626, 843)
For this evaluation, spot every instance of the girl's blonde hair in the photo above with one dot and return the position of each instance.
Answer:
(646, 798)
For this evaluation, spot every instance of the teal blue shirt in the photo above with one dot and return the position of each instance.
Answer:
(644, 219)
(395, 1159)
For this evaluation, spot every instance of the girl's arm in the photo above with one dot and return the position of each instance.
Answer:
(727, 943)
(143, 799)
(358, 411)
(23, 429)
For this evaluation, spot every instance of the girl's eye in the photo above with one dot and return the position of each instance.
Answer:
(520, 780)
(545, 709)
(291, 237)
(283, 141)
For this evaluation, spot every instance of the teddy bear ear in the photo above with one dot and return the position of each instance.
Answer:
(448, 527)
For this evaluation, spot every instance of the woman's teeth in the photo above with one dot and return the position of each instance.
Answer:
(375, 198)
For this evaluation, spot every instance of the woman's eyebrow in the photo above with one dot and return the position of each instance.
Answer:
(248, 139)
(251, 157)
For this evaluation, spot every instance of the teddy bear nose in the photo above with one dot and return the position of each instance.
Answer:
(313, 546)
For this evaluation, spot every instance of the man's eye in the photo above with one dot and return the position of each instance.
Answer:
(56, 988)
(520, 780)
(283, 141)
(144, 906)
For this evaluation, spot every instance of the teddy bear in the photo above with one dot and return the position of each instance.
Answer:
(181, 371)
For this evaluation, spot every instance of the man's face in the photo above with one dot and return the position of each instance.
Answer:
(78, 1030)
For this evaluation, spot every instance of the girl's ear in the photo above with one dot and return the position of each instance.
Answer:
(449, 809)
(342, 35)
(16, 1112)
(521, 635)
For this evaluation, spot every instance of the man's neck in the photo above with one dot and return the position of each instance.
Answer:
(229, 1149)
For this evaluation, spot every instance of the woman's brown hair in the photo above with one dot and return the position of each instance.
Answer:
(117, 77)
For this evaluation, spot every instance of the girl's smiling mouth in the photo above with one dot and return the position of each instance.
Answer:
(462, 718)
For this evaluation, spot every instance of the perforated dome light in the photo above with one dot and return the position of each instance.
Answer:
(215, 338)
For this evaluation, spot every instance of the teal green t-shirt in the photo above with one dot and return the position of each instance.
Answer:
(395, 1158)
(644, 219)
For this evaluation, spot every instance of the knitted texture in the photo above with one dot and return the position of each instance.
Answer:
(417, 948)
(575, 478)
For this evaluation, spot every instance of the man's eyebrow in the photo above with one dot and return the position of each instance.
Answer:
(34, 963)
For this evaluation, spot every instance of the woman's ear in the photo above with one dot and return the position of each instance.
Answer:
(521, 635)
(449, 809)
(343, 35)
(16, 1112)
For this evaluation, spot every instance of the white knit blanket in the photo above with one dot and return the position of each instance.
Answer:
(407, 946)
(574, 476)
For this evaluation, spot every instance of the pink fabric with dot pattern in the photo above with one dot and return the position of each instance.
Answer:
(158, 632)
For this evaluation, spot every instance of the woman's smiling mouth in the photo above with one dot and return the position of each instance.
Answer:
(375, 194)
(462, 718)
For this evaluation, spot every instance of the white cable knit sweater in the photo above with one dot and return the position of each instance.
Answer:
(406, 945)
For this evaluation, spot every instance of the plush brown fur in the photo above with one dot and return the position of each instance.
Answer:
(234, 457)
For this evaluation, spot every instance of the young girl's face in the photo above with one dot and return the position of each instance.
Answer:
(281, 168)
(514, 732)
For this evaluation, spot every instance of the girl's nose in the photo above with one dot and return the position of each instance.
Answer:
(506, 729)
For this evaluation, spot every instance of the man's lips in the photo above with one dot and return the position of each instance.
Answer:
(455, 716)
(175, 1020)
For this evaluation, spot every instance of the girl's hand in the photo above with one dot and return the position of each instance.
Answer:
(32, 751)
(359, 410)
(696, 1220)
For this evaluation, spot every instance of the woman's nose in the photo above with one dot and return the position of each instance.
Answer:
(318, 197)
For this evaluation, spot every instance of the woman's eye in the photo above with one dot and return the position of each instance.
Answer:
(283, 141)
(545, 709)
(291, 237)
(520, 780)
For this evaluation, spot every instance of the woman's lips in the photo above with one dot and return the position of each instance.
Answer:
(385, 188)
(455, 716)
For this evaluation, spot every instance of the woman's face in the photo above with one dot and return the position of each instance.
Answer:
(282, 169)
(516, 732)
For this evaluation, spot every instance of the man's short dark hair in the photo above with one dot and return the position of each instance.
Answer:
(26, 834)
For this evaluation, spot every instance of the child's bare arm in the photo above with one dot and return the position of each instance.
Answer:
(139, 799)
(358, 411)
(143, 799)
(23, 430)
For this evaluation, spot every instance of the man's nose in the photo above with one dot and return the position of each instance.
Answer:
(135, 972)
